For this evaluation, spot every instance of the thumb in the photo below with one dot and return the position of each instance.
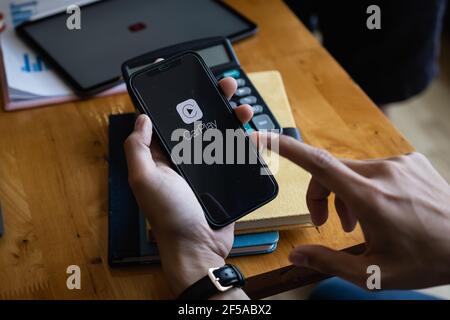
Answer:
(328, 261)
(137, 150)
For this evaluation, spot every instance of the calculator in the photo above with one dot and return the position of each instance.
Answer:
(220, 57)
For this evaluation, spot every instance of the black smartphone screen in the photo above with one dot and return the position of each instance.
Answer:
(204, 138)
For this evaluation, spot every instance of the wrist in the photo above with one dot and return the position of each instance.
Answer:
(445, 268)
(185, 267)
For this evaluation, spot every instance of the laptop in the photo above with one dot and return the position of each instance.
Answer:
(113, 31)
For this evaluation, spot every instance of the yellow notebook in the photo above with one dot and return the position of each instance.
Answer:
(288, 210)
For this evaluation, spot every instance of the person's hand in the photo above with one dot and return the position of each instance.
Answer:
(402, 205)
(187, 245)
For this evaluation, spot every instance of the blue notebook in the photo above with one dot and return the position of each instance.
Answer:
(128, 235)
(244, 244)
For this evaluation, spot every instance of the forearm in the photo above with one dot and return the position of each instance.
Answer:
(441, 260)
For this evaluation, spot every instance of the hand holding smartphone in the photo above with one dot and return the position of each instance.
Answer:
(199, 131)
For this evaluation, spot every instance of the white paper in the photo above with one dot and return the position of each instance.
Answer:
(25, 71)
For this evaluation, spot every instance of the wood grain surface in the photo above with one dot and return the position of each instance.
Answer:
(54, 172)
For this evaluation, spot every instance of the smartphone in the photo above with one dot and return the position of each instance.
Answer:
(200, 133)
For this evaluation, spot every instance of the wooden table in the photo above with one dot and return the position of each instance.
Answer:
(54, 169)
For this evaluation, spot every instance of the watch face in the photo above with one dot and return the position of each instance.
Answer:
(226, 277)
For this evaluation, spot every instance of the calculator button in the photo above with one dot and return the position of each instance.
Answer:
(248, 128)
(257, 108)
(263, 122)
(248, 100)
(232, 73)
(233, 104)
(240, 82)
(245, 91)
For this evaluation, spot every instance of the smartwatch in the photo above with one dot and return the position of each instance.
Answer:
(216, 281)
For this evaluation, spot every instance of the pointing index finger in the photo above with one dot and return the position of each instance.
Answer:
(324, 167)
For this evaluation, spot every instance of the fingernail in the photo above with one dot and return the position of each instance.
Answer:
(139, 122)
(298, 258)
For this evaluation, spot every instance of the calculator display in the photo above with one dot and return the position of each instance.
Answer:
(215, 56)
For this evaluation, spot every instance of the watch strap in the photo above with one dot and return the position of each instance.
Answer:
(218, 280)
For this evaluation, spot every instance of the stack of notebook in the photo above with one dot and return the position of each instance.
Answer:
(130, 240)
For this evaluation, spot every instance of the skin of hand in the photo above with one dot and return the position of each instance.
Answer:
(402, 205)
(187, 245)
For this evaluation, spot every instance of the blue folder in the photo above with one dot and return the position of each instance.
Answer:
(244, 244)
